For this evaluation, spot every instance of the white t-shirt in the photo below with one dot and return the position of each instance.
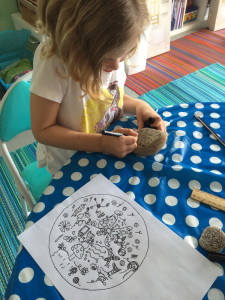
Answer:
(77, 112)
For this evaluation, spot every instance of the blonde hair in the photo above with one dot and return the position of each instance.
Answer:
(82, 32)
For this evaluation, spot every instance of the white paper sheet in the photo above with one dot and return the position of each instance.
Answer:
(99, 244)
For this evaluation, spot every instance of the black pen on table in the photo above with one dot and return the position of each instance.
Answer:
(210, 129)
(217, 257)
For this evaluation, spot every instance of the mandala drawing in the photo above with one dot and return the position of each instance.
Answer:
(98, 242)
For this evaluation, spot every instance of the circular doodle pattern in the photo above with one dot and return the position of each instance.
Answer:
(98, 242)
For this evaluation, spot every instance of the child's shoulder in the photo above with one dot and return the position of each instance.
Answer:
(41, 58)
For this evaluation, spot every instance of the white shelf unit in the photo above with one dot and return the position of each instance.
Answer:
(199, 23)
(217, 15)
(158, 33)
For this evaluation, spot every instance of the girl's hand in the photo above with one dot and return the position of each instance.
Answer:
(144, 112)
(120, 146)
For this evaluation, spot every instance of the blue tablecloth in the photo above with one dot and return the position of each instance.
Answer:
(162, 184)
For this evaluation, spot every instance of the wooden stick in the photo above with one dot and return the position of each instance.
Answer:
(208, 199)
(210, 129)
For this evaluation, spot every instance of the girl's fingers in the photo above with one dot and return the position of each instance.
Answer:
(126, 131)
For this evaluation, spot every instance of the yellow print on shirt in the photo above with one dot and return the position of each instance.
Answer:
(98, 115)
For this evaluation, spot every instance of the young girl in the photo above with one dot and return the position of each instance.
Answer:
(78, 78)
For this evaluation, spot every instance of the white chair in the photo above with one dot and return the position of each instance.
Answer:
(15, 119)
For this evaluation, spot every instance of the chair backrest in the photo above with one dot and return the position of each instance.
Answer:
(15, 111)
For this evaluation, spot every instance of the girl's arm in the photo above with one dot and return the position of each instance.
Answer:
(47, 131)
(143, 112)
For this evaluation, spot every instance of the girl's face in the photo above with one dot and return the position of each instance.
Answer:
(112, 59)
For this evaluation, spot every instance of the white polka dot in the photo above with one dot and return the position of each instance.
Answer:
(184, 105)
(135, 122)
(47, 281)
(182, 114)
(214, 105)
(214, 115)
(215, 160)
(150, 198)
(179, 144)
(29, 224)
(119, 164)
(68, 191)
(194, 184)
(131, 195)
(196, 147)
(196, 170)
(191, 221)
(171, 200)
(14, 297)
(76, 176)
(216, 187)
(216, 172)
(168, 219)
(117, 127)
(220, 267)
(134, 180)
(199, 105)
(102, 163)
(193, 203)
(177, 157)
(58, 175)
(26, 275)
(156, 166)
(215, 294)
(180, 133)
(173, 183)
(214, 147)
(196, 159)
(115, 178)
(68, 161)
(138, 166)
(165, 146)
(40, 299)
(199, 114)
(154, 181)
(177, 167)
(213, 137)
(83, 162)
(49, 190)
(20, 248)
(181, 124)
(215, 222)
(191, 240)
(124, 119)
(39, 207)
(215, 125)
(159, 157)
(93, 176)
(198, 124)
(197, 135)
(167, 114)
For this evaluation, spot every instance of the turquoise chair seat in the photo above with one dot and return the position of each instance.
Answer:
(36, 179)
(15, 119)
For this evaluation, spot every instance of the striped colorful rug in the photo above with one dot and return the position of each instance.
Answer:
(12, 219)
(204, 85)
(187, 54)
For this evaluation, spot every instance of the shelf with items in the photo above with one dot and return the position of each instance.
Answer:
(192, 15)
